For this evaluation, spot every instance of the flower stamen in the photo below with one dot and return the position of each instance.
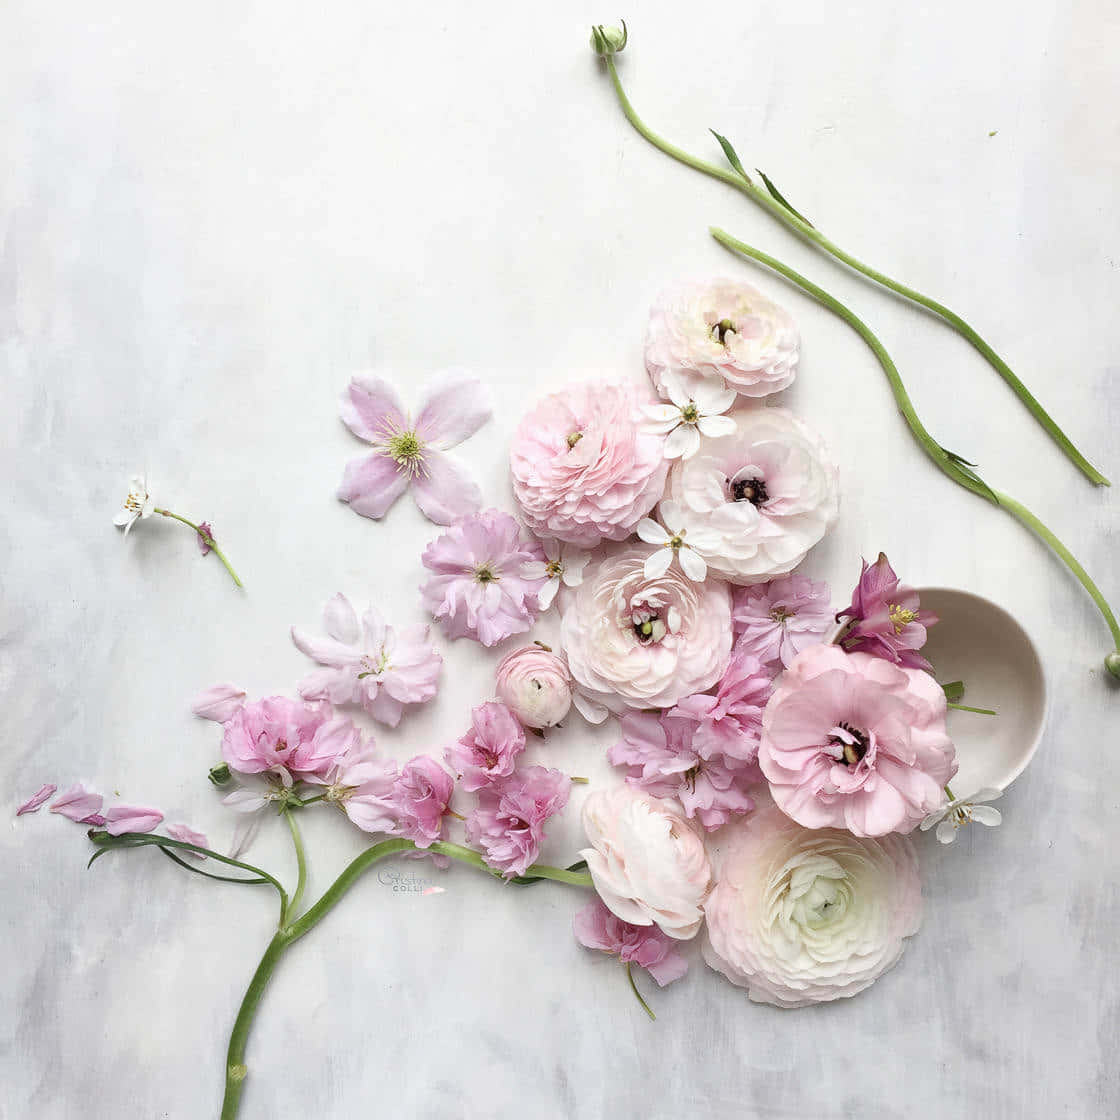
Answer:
(751, 490)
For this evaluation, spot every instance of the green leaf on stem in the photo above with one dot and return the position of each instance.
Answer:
(963, 468)
(730, 153)
(779, 197)
(954, 690)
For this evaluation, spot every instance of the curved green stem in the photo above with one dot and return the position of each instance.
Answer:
(800, 226)
(952, 465)
(207, 539)
(638, 995)
(301, 868)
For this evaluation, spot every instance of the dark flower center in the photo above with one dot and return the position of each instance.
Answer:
(853, 752)
(722, 329)
(751, 490)
(484, 574)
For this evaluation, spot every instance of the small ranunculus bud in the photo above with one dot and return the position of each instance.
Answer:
(534, 683)
(608, 40)
(1112, 663)
(220, 774)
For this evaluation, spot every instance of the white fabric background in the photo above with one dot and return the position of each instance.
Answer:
(212, 214)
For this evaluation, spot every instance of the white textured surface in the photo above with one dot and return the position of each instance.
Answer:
(211, 214)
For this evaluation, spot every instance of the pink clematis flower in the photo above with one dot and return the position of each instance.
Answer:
(78, 804)
(131, 818)
(420, 798)
(219, 703)
(412, 452)
(361, 784)
(508, 824)
(477, 589)
(777, 620)
(489, 750)
(885, 617)
(281, 734)
(32, 804)
(369, 662)
(646, 946)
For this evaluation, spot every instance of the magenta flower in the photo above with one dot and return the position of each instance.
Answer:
(489, 750)
(508, 825)
(477, 589)
(278, 733)
(885, 617)
(420, 798)
(131, 818)
(78, 804)
(777, 620)
(411, 452)
(219, 703)
(361, 783)
(32, 804)
(369, 663)
(646, 946)
(205, 536)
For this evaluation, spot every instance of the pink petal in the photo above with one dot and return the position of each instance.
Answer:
(455, 407)
(188, 835)
(371, 485)
(131, 818)
(340, 620)
(444, 492)
(77, 803)
(370, 408)
(32, 804)
(219, 703)
(671, 967)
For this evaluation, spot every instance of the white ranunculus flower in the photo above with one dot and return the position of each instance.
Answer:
(640, 642)
(763, 496)
(800, 916)
(648, 863)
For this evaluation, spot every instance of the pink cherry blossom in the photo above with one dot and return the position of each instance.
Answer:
(131, 818)
(851, 741)
(219, 703)
(420, 798)
(409, 451)
(78, 804)
(597, 928)
(508, 825)
(777, 620)
(489, 750)
(32, 804)
(477, 589)
(276, 732)
(369, 662)
(361, 784)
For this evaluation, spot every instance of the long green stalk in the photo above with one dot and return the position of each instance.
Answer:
(952, 465)
(778, 208)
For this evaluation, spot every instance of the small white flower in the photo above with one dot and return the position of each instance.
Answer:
(963, 811)
(670, 537)
(697, 409)
(564, 563)
(252, 799)
(138, 504)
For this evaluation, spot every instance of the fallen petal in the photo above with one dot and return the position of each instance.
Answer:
(32, 804)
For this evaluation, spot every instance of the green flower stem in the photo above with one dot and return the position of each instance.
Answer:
(966, 708)
(757, 194)
(301, 868)
(206, 539)
(638, 995)
(948, 464)
(236, 1070)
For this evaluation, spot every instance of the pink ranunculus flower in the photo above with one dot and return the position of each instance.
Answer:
(646, 946)
(648, 863)
(78, 804)
(508, 825)
(489, 750)
(775, 621)
(420, 799)
(477, 589)
(763, 496)
(219, 703)
(852, 741)
(361, 784)
(644, 643)
(886, 618)
(131, 818)
(584, 467)
(278, 733)
(725, 329)
(368, 662)
(408, 452)
(535, 684)
(801, 916)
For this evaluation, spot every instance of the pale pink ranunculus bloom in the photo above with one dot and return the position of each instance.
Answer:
(489, 750)
(131, 818)
(79, 804)
(277, 733)
(584, 468)
(477, 589)
(508, 825)
(420, 797)
(368, 662)
(33, 803)
(535, 684)
(723, 329)
(412, 452)
(647, 862)
(220, 702)
(637, 642)
(852, 741)
(775, 621)
(361, 784)
(801, 916)
(646, 946)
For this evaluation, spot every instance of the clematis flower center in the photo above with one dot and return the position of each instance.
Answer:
(690, 413)
(850, 742)
(485, 574)
(722, 329)
(751, 490)
(554, 569)
(406, 450)
(900, 617)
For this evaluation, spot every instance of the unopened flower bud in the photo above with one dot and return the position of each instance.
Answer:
(220, 774)
(1112, 663)
(608, 40)
(535, 685)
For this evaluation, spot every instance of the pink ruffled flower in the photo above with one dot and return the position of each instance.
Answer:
(477, 589)
(420, 798)
(78, 804)
(584, 467)
(885, 617)
(369, 663)
(407, 451)
(281, 734)
(489, 750)
(852, 741)
(131, 818)
(775, 621)
(219, 703)
(32, 804)
(646, 946)
(508, 824)
(362, 785)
